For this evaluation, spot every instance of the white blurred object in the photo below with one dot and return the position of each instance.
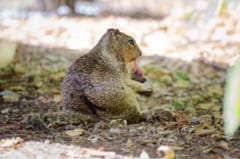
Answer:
(231, 103)
(88, 8)
(144, 155)
(7, 51)
(64, 10)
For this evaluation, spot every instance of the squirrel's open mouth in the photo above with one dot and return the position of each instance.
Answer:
(137, 69)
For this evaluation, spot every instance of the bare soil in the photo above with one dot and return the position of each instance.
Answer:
(189, 93)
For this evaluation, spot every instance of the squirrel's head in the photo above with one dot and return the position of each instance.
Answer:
(122, 44)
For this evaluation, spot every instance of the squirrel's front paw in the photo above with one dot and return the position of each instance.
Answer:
(147, 88)
(138, 78)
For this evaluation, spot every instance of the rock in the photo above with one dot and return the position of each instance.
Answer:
(9, 96)
(114, 131)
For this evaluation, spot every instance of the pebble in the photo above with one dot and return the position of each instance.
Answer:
(114, 131)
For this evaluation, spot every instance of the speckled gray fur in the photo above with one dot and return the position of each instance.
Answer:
(95, 83)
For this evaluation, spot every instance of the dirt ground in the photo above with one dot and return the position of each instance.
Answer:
(189, 93)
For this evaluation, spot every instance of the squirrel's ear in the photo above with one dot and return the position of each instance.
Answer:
(113, 31)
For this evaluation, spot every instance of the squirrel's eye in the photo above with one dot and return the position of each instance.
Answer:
(131, 41)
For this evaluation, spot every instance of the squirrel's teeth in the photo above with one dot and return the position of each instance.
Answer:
(137, 69)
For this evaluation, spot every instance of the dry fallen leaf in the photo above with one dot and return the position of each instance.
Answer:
(75, 132)
(130, 143)
(10, 143)
(168, 152)
(204, 129)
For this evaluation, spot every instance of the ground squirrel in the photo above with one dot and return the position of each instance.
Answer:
(99, 84)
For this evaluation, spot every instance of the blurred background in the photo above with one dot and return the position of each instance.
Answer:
(176, 28)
